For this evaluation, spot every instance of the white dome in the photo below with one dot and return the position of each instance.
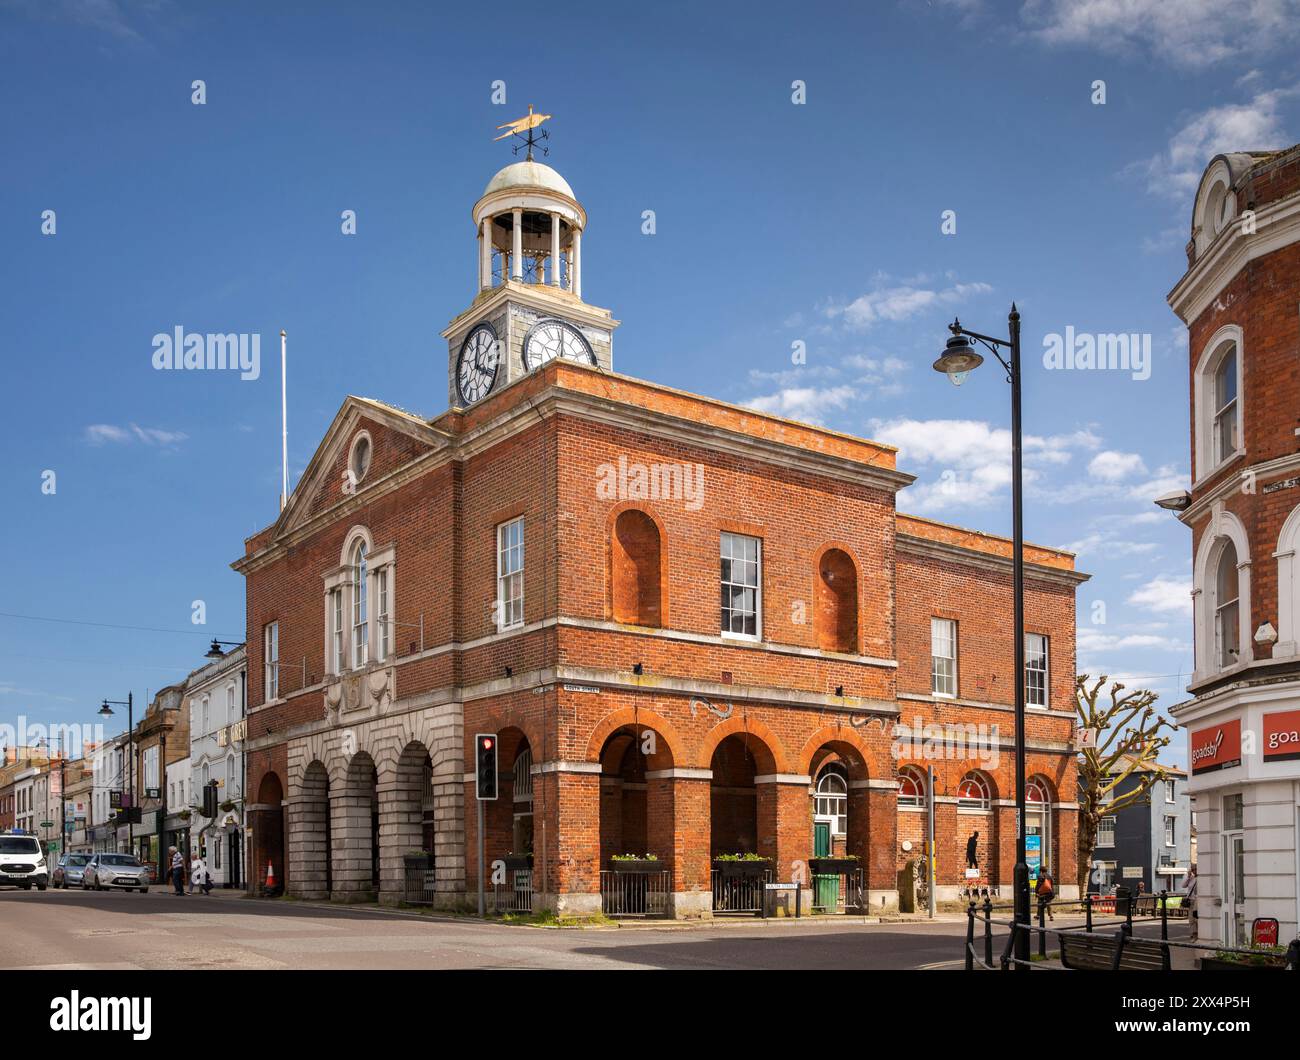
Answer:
(529, 175)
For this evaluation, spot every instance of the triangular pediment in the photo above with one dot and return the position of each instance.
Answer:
(397, 438)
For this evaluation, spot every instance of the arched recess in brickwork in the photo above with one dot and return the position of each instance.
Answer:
(507, 821)
(268, 834)
(738, 824)
(355, 824)
(837, 761)
(835, 600)
(769, 752)
(1040, 794)
(637, 579)
(636, 803)
(665, 749)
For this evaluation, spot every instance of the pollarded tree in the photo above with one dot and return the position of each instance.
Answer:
(1128, 734)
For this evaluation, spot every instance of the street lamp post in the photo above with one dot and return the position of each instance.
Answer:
(957, 361)
(106, 710)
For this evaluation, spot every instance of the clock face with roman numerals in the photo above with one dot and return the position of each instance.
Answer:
(476, 369)
(551, 338)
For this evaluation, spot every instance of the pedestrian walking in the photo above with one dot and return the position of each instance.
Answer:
(195, 861)
(1046, 891)
(178, 871)
(1191, 903)
(200, 876)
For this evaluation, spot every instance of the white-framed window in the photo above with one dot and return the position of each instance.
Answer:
(973, 792)
(911, 787)
(510, 574)
(205, 774)
(832, 801)
(216, 852)
(382, 617)
(271, 651)
(1036, 655)
(207, 714)
(359, 457)
(230, 704)
(233, 790)
(1227, 615)
(1217, 397)
(1225, 438)
(943, 657)
(360, 607)
(1106, 832)
(338, 658)
(1234, 814)
(742, 586)
(1170, 791)
(1171, 824)
(149, 767)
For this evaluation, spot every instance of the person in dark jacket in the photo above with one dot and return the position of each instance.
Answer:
(972, 851)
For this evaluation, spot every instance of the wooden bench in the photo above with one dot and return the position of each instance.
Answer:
(1112, 953)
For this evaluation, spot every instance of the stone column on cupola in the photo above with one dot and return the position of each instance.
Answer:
(517, 246)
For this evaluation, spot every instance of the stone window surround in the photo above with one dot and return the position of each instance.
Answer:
(380, 564)
(1228, 337)
(1223, 526)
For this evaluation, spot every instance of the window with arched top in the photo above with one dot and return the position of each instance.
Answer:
(911, 787)
(1036, 792)
(360, 603)
(1227, 616)
(1217, 398)
(973, 792)
(635, 589)
(831, 803)
(836, 616)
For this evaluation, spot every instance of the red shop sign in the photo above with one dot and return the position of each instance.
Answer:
(1218, 747)
(1282, 736)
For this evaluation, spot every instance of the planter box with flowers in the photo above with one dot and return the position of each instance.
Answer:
(746, 866)
(636, 863)
(1272, 959)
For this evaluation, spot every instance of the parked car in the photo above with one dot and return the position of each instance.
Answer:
(67, 873)
(22, 862)
(104, 872)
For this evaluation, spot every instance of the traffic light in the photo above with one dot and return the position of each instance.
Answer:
(485, 752)
(210, 799)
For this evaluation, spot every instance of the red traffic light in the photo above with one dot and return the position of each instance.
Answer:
(487, 743)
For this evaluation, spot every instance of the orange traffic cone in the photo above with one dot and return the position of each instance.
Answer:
(270, 876)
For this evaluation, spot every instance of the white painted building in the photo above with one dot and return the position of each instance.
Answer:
(216, 696)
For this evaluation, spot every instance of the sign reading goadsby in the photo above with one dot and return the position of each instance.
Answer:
(1282, 736)
(1218, 747)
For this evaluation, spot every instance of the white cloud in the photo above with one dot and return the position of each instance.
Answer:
(1164, 595)
(1191, 33)
(103, 433)
(1112, 466)
(1252, 126)
(899, 303)
(1091, 641)
(974, 458)
(808, 404)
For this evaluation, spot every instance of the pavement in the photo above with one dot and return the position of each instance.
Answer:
(77, 930)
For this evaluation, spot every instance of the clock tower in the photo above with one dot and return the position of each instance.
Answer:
(529, 306)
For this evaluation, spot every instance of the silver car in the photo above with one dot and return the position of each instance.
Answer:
(105, 872)
(68, 871)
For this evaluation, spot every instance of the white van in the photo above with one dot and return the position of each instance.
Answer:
(22, 862)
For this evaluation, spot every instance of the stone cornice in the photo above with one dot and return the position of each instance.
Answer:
(1231, 484)
(1277, 225)
(941, 550)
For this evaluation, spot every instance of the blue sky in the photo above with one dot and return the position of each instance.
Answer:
(775, 223)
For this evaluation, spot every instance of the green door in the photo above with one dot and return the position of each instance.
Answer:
(826, 888)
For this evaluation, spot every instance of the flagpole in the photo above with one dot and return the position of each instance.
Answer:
(284, 426)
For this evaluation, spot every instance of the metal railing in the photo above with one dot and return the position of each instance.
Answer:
(418, 884)
(739, 895)
(635, 894)
(515, 895)
(1125, 908)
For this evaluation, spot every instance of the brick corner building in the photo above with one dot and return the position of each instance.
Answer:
(697, 630)
(1239, 300)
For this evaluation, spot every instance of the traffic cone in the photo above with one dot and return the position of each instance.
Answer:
(270, 875)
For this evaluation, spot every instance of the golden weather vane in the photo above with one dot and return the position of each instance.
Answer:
(525, 128)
